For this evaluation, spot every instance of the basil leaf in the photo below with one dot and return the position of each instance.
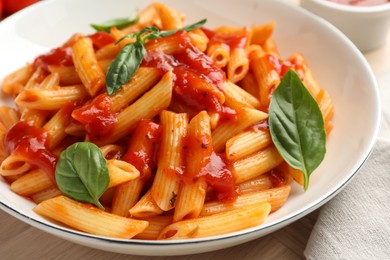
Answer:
(297, 126)
(124, 66)
(187, 28)
(127, 62)
(82, 173)
(119, 23)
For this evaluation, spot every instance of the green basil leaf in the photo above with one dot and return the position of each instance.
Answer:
(124, 66)
(297, 126)
(127, 62)
(119, 23)
(82, 173)
(187, 28)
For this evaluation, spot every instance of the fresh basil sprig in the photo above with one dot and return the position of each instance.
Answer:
(82, 173)
(297, 126)
(128, 60)
(119, 23)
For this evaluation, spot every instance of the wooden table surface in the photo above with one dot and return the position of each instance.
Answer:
(21, 241)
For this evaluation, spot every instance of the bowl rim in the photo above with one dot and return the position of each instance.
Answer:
(374, 9)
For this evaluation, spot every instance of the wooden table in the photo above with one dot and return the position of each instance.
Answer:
(21, 241)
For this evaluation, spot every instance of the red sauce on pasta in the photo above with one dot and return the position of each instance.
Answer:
(214, 168)
(234, 40)
(142, 154)
(218, 175)
(101, 39)
(61, 56)
(277, 178)
(97, 116)
(31, 143)
(197, 80)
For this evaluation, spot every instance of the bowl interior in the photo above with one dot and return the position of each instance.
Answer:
(337, 64)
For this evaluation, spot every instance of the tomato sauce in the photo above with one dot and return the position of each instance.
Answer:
(233, 40)
(197, 80)
(61, 56)
(101, 39)
(32, 144)
(142, 152)
(218, 175)
(97, 116)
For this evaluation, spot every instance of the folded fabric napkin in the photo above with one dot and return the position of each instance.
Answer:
(356, 223)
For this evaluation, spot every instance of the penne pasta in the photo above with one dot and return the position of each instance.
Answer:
(276, 197)
(256, 164)
(246, 143)
(192, 194)
(146, 207)
(31, 182)
(165, 186)
(87, 66)
(224, 131)
(210, 225)
(89, 219)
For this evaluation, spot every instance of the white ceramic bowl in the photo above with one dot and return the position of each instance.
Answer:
(366, 26)
(336, 62)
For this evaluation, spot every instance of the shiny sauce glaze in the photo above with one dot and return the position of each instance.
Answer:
(32, 145)
(237, 40)
(142, 148)
(62, 56)
(197, 81)
(97, 117)
(215, 169)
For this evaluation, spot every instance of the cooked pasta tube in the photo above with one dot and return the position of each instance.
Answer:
(226, 130)
(46, 194)
(141, 82)
(236, 97)
(249, 84)
(219, 53)
(276, 197)
(112, 151)
(50, 99)
(256, 164)
(169, 17)
(8, 116)
(156, 224)
(126, 196)
(261, 33)
(246, 143)
(141, 153)
(166, 182)
(261, 182)
(146, 107)
(89, 219)
(199, 39)
(56, 126)
(31, 182)
(211, 225)
(15, 82)
(14, 165)
(192, 192)
(267, 78)
(238, 65)
(146, 207)
(87, 66)
(120, 172)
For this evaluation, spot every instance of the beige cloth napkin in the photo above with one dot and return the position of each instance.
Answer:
(356, 223)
